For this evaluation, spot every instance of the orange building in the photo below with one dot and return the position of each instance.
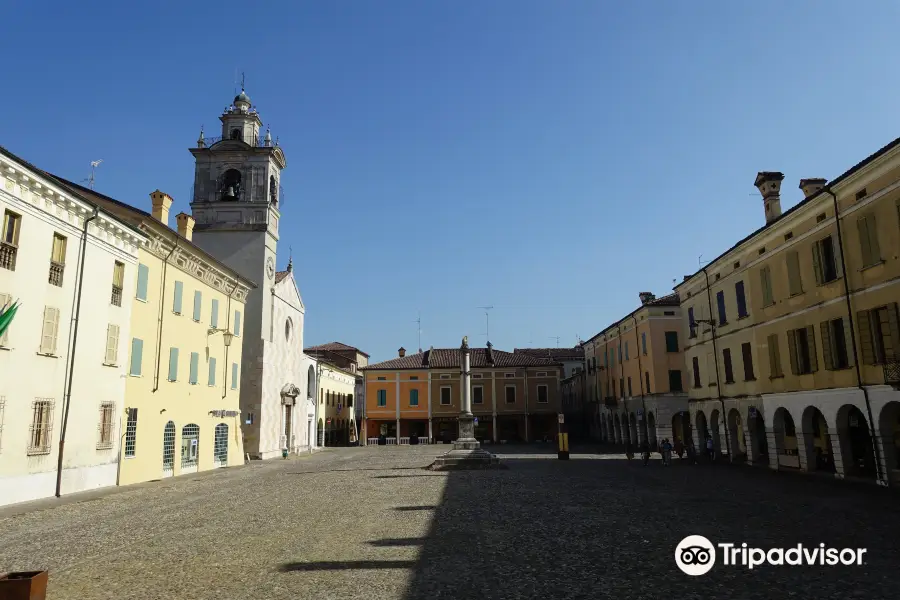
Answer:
(516, 397)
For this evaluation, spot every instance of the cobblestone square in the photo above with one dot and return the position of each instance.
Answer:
(373, 523)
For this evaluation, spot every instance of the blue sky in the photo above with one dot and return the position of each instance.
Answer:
(551, 159)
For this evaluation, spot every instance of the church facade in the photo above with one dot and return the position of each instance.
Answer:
(236, 206)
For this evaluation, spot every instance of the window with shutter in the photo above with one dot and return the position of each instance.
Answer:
(214, 314)
(5, 300)
(237, 323)
(868, 240)
(212, 371)
(795, 281)
(792, 351)
(720, 304)
(747, 355)
(644, 343)
(647, 382)
(131, 432)
(112, 345)
(176, 302)
(741, 299)
(811, 344)
(865, 337)
(137, 351)
(765, 276)
(142, 282)
(414, 396)
(695, 363)
(234, 376)
(195, 367)
(50, 330)
(173, 364)
(671, 341)
(198, 305)
(774, 356)
(692, 324)
(729, 371)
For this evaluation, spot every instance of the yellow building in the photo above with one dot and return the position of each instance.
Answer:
(793, 353)
(182, 411)
(634, 375)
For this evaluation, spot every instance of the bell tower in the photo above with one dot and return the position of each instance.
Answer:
(236, 201)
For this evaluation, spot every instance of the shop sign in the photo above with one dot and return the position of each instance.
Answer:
(225, 413)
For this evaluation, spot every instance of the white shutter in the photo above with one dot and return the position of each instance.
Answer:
(4, 300)
(48, 332)
(112, 344)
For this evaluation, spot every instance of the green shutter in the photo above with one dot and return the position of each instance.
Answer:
(413, 397)
(137, 353)
(848, 342)
(817, 262)
(811, 344)
(212, 371)
(792, 351)
(774, 357)
(179, 290)
(234, 376)
(214, 316)
(794, 279)
(894, 326)
(142, 280)
(198, 304)
(827, 355)
(766, 283)
(237, 322)
(865, 338)
(173, 364)
(195, 365)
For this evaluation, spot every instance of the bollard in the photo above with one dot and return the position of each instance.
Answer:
(563, 452)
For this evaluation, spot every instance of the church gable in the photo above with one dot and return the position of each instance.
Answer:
(286, 286)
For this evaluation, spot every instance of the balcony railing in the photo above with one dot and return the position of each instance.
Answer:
(8, 256)
(56, 273)
(257, 143)
(892, 372)
(116, 299)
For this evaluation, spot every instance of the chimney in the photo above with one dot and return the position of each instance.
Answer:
(811, 187)
(185, 225)
(769, 185)
(401, 351)
(161, 202)
(646, 297)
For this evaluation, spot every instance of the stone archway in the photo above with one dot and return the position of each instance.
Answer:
(702, 431)
(321, 432)
(736, 430)
(617, 425)
(681, 427)
(757, 427)
(714, 425)
(651, 430)
(889, 430)
(855, 438)
(785, 439)
(816, 441)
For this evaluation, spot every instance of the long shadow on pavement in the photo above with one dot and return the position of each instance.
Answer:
(608, 529)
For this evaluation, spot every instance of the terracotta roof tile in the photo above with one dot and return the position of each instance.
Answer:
(335, 347)
(280, 275)
(576, 353)
(451, 358)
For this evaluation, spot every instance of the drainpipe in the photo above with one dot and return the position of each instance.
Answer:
(162, 310)
(712, 326)
(637, 349)
(79, 286)
(227, 327)
(882, 479)
(622, 379)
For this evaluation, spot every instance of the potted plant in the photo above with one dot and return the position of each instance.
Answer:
(25, 585)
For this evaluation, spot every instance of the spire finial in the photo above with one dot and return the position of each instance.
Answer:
(290, 265)
(242, 81)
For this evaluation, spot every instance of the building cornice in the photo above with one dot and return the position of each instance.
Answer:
(37, 191)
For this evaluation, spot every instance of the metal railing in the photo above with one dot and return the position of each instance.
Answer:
(116, 297)
(257, 143)
(56, 273)
(8, 256)
(393, 441)
(891, 372)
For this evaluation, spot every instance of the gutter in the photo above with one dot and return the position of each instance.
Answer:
(70, 367)
(227, 327)
(162, 307)
(882, 479)
(712, 327)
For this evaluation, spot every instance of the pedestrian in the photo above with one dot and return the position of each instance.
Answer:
(645, 452)
(667, 452)
(679, 448)
(710, 448)
(691, 452)
(629, 451)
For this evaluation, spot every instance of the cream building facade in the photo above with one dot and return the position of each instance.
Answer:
(793, 339)
(336, 420)
(634, 375)
(62, 361)
(183, 352)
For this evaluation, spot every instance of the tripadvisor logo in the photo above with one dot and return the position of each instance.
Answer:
(696, 555)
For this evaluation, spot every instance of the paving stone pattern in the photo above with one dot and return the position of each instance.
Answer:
(373, 523)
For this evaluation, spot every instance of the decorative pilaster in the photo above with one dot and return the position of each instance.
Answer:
(397, 410)
(430, 432)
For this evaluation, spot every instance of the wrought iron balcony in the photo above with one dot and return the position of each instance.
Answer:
(891, 371)
(116, 299)
(8, 256)
(56, 273)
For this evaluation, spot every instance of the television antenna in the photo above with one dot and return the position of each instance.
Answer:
(94, 165)
(555, 337)
(487, 321)
(419, 324)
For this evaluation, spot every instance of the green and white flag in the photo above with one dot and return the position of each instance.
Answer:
(6, 315)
